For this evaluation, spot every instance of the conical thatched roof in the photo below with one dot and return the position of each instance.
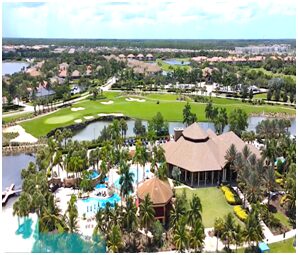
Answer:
(160, 192)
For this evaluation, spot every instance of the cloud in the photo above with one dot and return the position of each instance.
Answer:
(119, 17)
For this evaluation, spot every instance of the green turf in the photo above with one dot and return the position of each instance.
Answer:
(170, 108)
(15, 117)
(283, 219)
(261, 96)
(278, 247)
(213, 202)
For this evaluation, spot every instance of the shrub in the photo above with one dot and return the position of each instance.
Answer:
(240, 212)
(283, 199)
(230, 196)
(279, 181)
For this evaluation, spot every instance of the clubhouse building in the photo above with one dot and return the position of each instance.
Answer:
(200, 155)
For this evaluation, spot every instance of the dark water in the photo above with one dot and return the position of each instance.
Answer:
(12, 166)
(92, 131)
(12, 67)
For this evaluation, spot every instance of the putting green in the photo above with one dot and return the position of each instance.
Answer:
(60, 119)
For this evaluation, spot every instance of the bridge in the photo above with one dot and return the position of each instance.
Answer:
(8, 193)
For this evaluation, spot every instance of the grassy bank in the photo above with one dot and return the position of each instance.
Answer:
(170, 108)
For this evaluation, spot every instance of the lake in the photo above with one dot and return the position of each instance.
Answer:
(13, 67)
(92, 131)
(177, 62)
(12, 166)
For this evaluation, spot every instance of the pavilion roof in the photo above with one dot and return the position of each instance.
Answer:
(197, 150)
(160, 192)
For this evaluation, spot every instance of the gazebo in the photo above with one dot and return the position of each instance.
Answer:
(160, 193)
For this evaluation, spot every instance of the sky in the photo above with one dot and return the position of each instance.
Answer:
(151, 19)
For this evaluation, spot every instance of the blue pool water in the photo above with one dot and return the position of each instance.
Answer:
(94, 174)
(100, 186)
(90, 205)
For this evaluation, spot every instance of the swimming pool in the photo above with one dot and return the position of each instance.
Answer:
(90, 205)
(100, 186)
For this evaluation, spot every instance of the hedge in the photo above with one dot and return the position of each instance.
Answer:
(240, 212)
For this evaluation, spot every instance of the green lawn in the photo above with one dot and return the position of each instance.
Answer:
(213, 202)
(261, 96)
(283, 219)
(170, 108)
(279, 247)
(15, 117)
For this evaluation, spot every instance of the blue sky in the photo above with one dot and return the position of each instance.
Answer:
(151, 19)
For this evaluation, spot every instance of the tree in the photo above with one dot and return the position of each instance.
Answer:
(218, 229)
(115, 242)
(146, 213)
(238, 236)
(188, 117)
(177, 211)
(228, 229)
(220, 120)
(209, 111)
(126, 180)
(139, 129)
(251, 95)
(181, 237)
(176, 173)
(72, 214)
(238, 121)
(269, 95)
(194, 211)
(123, 127)
(86, 182)
(159, 125)
(130, 215)
(58, 161)
(157, 232)
(197, 236)
(269, 177)
(285, 97)
(138, 157)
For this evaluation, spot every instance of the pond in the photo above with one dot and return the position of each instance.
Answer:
(92, 131)
(12, 166)
(177, 62)
(13, 67)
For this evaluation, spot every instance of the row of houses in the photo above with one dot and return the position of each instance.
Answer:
(148, 57)
(264, 49)
(201, 59)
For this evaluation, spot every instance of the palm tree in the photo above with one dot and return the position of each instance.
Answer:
(194, 211)
(123, 127)
(238, 236)
(181, 237)
(218, 228)
(130, 215)
(197, 236)
(114, 239)
(269, 177)
(229, 229)
(126, 180)
(146, 213)
(72, 215)
(21, 207)
(162, 171)
(177, 211)
(138, 158)
(269, 151)
(58, 160)
(253, 229)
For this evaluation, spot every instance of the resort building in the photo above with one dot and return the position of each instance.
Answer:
(161, 195)
(200, 155)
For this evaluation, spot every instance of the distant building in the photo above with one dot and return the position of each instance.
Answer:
(262, 49)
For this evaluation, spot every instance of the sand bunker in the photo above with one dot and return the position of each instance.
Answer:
(110, 114)
(130, 99)
(78, 121)
(88, 117)
(23, 136)
(109, 102)
(77, 109)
